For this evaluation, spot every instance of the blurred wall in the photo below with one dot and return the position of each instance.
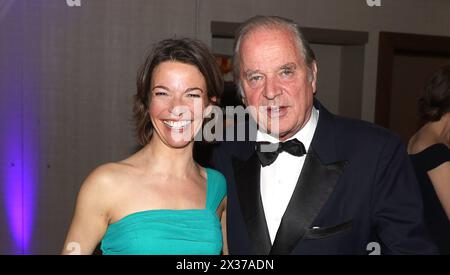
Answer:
(67, 76)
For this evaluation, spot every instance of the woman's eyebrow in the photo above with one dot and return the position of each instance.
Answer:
(192, 89)
(187, 90)
(161, 87)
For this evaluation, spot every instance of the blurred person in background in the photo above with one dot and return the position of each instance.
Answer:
(430, 153)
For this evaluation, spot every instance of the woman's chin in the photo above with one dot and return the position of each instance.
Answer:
(178, 144)
(178, 140)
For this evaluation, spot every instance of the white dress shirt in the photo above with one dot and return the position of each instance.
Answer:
(279, 179)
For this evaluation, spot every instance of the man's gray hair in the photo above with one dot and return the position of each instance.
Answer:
(270, 22)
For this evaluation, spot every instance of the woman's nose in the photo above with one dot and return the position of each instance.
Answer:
(178, 109)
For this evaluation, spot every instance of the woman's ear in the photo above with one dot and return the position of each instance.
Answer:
(213, 100)
(209, 107)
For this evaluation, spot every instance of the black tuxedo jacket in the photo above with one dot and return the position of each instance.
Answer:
(356, 187)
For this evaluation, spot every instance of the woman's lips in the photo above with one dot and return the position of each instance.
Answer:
(177, 125)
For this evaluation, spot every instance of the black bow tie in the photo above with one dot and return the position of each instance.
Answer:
(268, 152)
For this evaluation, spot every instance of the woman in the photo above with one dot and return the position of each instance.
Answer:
(159, 200)
(430, 153)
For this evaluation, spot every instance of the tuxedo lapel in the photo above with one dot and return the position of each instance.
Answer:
(315, 184)
(321, 171)
(247, 178)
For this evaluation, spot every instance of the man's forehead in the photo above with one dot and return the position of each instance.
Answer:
(288, 65)
(273, 51)
(262, 34)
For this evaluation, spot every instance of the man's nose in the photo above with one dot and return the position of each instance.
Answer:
(272, 89)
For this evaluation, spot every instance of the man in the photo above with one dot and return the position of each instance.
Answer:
(352, 191)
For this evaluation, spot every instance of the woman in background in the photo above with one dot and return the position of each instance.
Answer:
(430, 153)
(159, 200)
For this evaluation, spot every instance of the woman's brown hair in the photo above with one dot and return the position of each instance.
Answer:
(435, 100)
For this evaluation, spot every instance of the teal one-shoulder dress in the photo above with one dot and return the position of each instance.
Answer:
(165, 231)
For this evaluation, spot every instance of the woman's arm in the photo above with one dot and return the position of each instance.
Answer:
(440, 177)
(91, 217)
(223, 221)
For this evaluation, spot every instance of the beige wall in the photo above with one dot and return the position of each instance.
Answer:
(76, 107)
(409, 77)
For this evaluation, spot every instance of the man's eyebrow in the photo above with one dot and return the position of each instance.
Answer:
(250, 72)
(290, 66)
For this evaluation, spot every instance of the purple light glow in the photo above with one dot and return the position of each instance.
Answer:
(14, 206)
(19, 134)
(19, 179)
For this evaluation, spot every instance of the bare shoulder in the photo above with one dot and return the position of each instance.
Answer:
(421, 141)
(106, 175)
(105, 182)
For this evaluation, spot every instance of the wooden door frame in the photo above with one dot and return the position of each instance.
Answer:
(391, 43)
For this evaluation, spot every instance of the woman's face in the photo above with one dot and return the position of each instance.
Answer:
(178, 97)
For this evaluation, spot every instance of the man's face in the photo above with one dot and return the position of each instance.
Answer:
(275, 81)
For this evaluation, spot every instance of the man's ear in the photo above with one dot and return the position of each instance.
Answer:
(244, 100)
(314, 76)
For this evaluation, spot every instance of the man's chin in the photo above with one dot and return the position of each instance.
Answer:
(281, 134)
(274, 133)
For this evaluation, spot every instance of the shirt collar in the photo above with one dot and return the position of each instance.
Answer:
(305, 134)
